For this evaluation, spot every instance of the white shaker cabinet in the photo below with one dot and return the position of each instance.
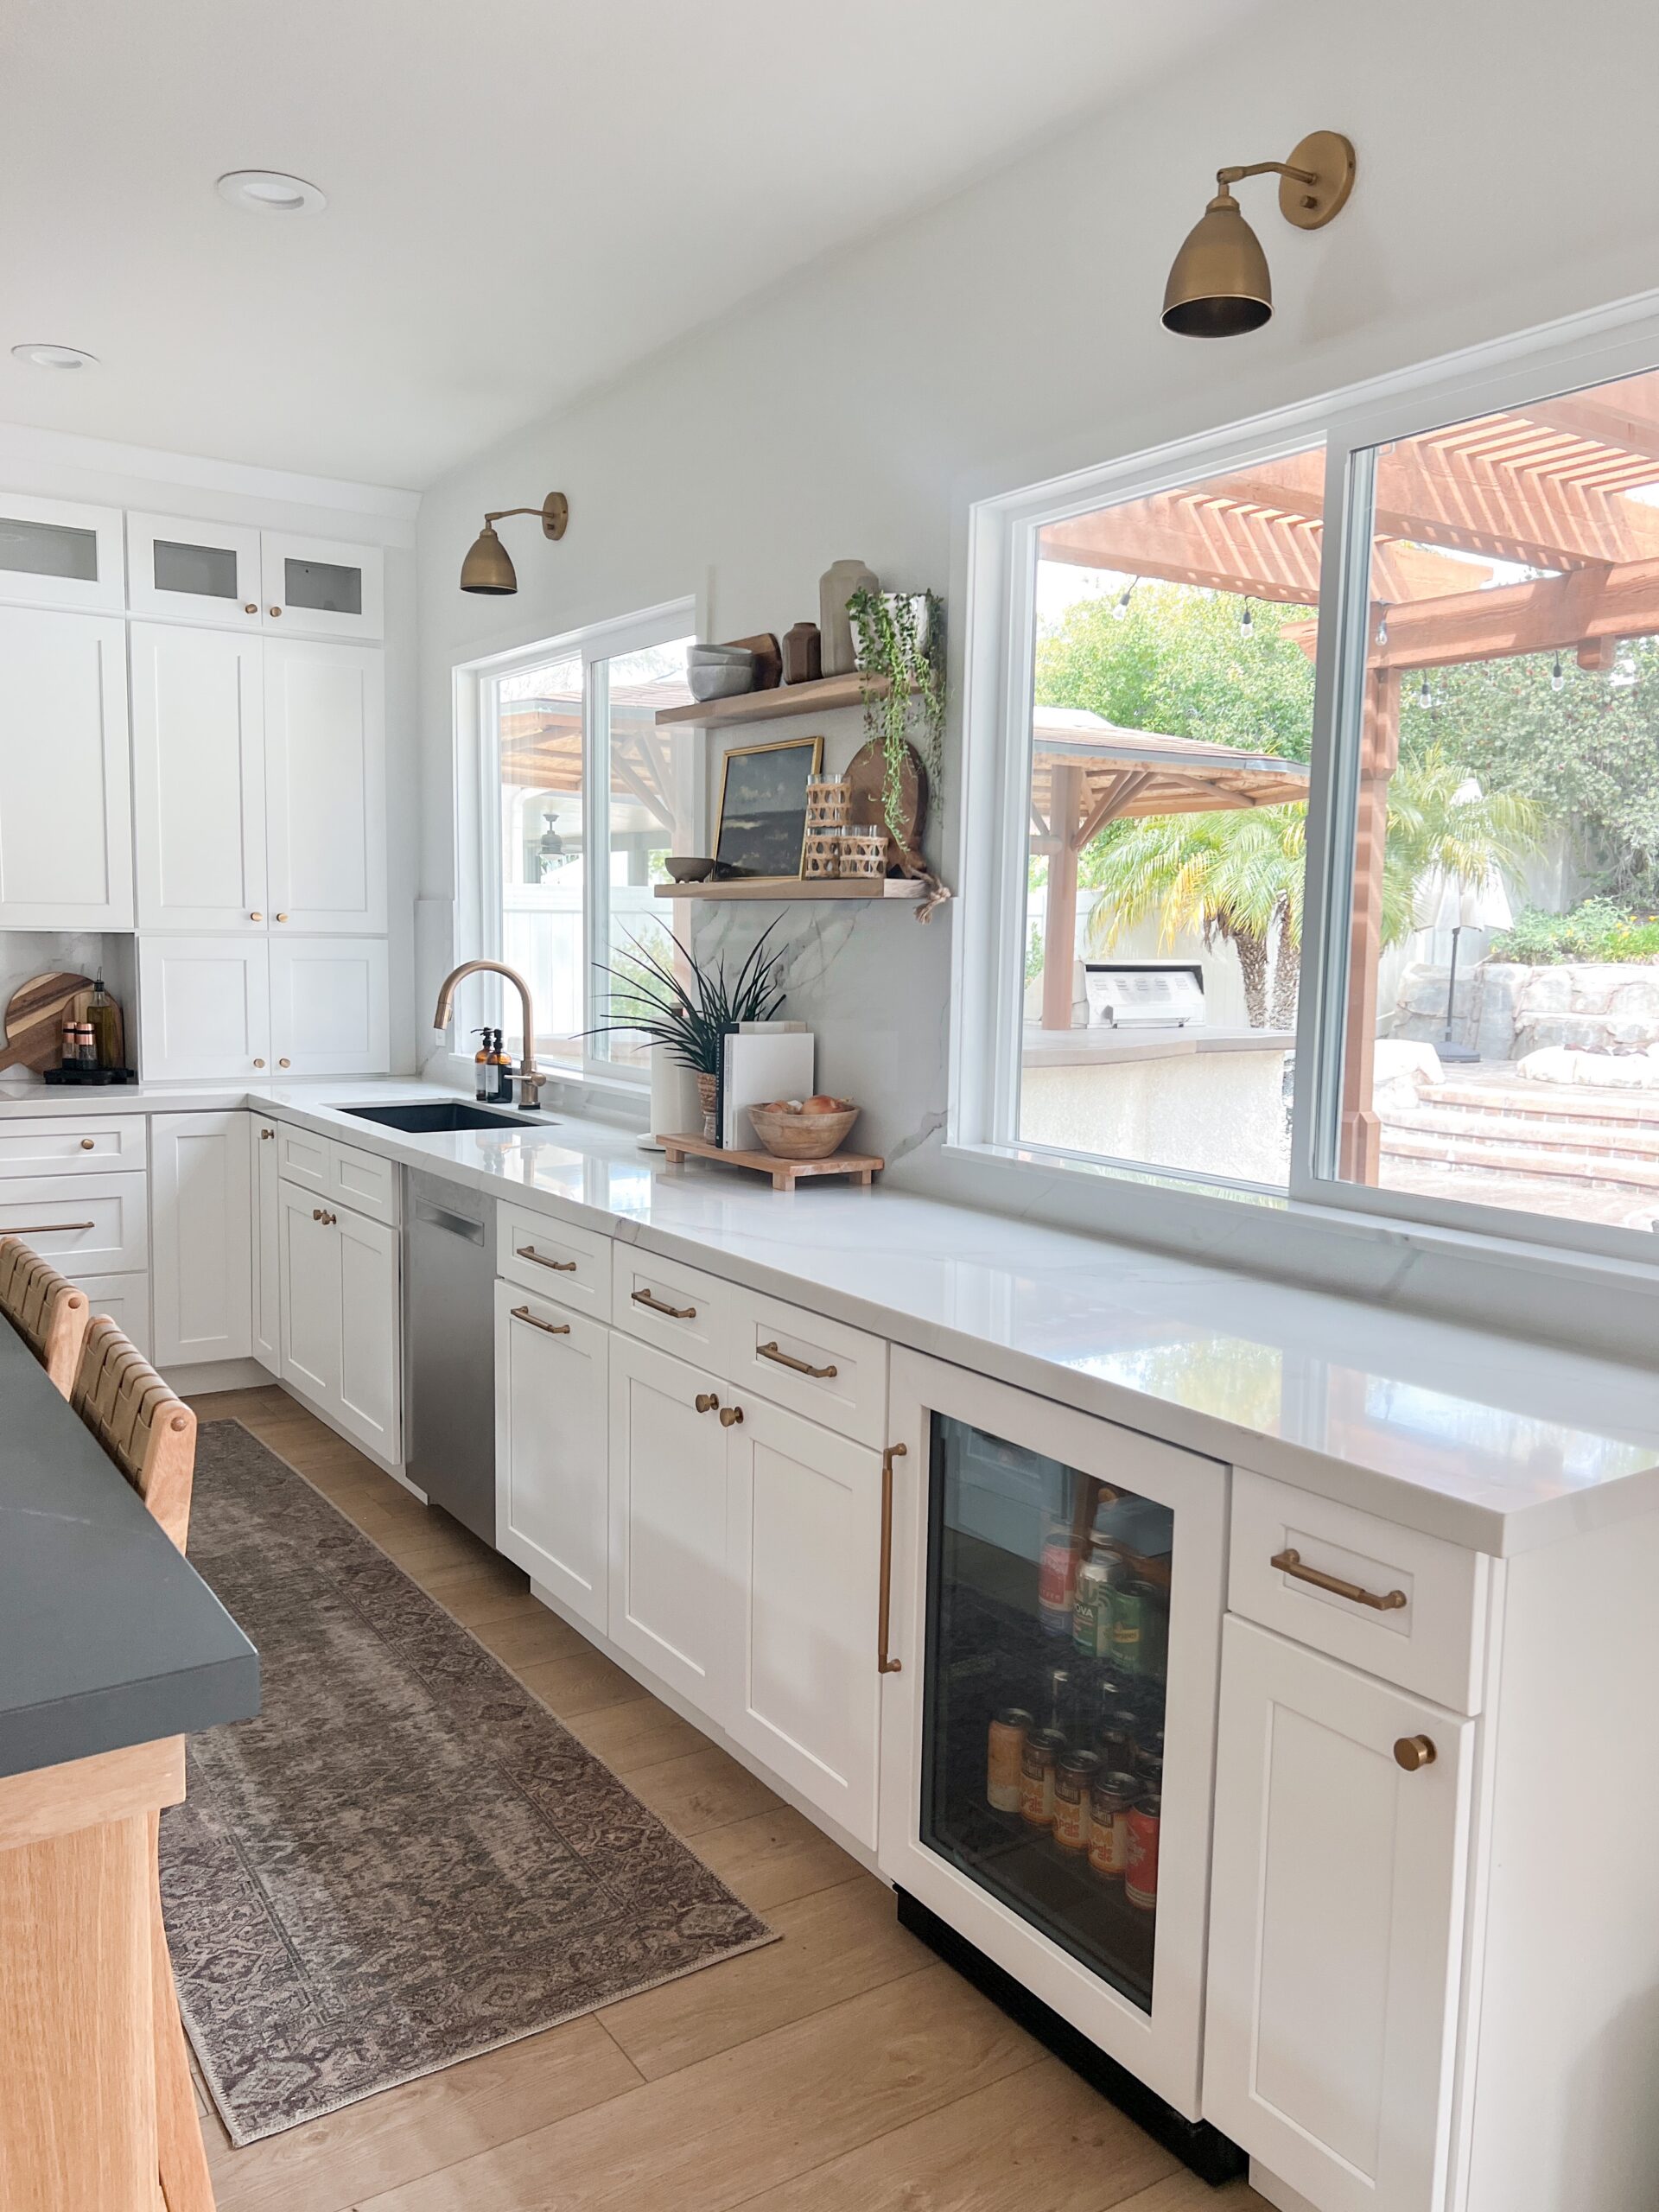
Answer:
(329, 1011)
(804, 1532)
(552, 1368)
(325, 786)
(58, 553)
(180, 570)
(1336, 1925)
(201, 1240)
(266, 1179)
(321, 586)
(199, 778)
(339, 1286)
(66, 824)
(671, 1603)
(204, 1008)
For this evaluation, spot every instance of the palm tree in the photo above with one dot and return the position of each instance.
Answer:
(1236, 878)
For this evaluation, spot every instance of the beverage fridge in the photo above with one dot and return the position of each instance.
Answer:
(1055, 1593)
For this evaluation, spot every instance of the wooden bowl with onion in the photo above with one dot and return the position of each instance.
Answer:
(810, 1129)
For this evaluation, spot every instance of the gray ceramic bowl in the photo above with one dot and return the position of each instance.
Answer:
(723, 680)
(688, 871)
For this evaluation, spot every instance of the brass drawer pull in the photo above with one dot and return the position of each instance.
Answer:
(799, 1366)
(548, 1328)
(731, 1416)
(1414, 1753)
(706, 1402)
(529, 1252)
(884, 1663)
(45, 1228)
(1290, 1562)
(674, 1313)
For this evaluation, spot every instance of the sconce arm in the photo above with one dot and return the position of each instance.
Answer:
(1237, 175)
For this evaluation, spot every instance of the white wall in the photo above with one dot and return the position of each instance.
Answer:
(1508, 174)
(54, 464)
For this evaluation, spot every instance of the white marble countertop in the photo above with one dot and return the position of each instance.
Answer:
(1484, 1439)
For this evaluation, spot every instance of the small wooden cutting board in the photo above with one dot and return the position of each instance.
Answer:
(34, 1015)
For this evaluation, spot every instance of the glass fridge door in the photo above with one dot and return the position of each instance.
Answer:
(1043, 1702)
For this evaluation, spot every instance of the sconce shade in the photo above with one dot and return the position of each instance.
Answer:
(1218, 284)
(488, 566)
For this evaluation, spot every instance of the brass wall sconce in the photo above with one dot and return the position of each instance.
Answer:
(488, 566)
(1219, 285)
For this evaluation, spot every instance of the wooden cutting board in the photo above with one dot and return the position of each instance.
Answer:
(34, 1015)
(868, 777)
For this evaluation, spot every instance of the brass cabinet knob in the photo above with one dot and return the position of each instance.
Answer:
(256, 917)
(88, 1144)
(332, 1219)
(1414, 1753)
(258, 1064)
(284, 1064)
(275, 612)
(252, 607)
(316, 1213)
(708, 1403)
(267, 1133)
(281, 917)
(730, 1416)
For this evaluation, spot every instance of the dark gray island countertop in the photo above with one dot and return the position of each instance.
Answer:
(107, 1635)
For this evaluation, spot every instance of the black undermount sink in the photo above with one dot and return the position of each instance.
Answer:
(438, 1118)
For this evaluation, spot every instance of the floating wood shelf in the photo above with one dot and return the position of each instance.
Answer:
(790, 887)
(820, 698)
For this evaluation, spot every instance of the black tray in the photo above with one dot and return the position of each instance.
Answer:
(94, 1076)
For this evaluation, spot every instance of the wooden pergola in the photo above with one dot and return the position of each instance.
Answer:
(1548, 488)
(541, 748)
(1086, 772)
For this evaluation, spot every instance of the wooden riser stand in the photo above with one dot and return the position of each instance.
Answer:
(862, 1167)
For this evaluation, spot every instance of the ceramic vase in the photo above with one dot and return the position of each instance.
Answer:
(838, 654)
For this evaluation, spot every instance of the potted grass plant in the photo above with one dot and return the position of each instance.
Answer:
(688, 1010)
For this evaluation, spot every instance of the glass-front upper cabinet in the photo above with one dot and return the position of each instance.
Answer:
(321, 587)
(55, 553)
(184, 571)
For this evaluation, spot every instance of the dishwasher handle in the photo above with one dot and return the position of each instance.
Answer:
(457, 1225)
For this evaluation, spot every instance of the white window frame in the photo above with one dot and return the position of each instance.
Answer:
(996, 713)
(479, 824)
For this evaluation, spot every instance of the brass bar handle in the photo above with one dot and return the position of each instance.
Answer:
(799, 1366)
(885, 1664)
(1414, 1753)
(529, 1252)
(706, 1402)
(674, 1313)
(1290, 1562)
(548, 1328)
(731, 1416)
(45, 1228)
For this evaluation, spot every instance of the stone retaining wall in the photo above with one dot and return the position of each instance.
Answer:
(1504, 1010)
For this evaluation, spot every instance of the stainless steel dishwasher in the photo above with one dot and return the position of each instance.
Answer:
(449, 1348)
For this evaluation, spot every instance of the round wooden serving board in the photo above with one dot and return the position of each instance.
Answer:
(34, 1015)
(868, 777)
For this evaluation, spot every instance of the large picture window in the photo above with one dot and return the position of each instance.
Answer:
(1320, 826)
(584, 799)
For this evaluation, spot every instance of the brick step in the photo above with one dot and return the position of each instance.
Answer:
(1635, 1140)
(1476, 1156)
(1560, 1101)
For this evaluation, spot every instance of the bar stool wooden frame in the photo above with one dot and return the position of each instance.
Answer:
(44, 1308)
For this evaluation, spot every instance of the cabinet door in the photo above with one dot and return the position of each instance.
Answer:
(325, 786)
(1335, 1926)
(328, 1006)
(204, 1008)
(321, 587)
(805, 1522)
(53, 554)
(308, 1269)
(551, 1378)
(264, 1180)
(66, 820)
(125, 1300)
(183, 571)
(202, 1265)
(199, 778)
(671, 1600)
(370, 1406)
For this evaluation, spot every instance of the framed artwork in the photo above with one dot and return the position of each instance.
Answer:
(762, 826)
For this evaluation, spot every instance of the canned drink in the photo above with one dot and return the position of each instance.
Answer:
(1109, 1823)
(1057, 1698)
(1037, 1762)
(1074, 1777)
(1006, 1742)
(1130, 1623)
(1094, 1583)
(1057, 1570)
(1140, 1866)
(1152, 1771)
(1116, 1745)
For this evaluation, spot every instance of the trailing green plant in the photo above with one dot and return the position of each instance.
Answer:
(690, 1020)
(1598, 930)
(909, 650)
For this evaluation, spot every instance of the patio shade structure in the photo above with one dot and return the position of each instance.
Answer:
(1086, 772)
(1546, 487)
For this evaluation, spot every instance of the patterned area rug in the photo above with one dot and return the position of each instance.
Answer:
(405, 1859)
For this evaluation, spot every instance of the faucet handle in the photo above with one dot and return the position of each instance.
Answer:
(530, 1083)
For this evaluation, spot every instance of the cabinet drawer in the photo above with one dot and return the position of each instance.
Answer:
(364, 1181)
(822, 1369)
(680, 1308)
(302, 1159)
(69, 1144)
(1432, 1643)
(571, 1265)
(95, 1225)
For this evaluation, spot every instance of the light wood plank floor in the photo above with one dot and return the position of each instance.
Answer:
(844, 2069)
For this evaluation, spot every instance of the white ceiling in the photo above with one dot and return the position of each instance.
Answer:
(524, 196)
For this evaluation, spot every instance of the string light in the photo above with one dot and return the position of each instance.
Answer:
(1120, 611)
(1246, 622)
(1382, 631)
(1557, 675)
(1425, 697)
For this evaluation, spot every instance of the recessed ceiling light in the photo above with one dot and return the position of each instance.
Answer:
(54, 357)
(269, 192)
